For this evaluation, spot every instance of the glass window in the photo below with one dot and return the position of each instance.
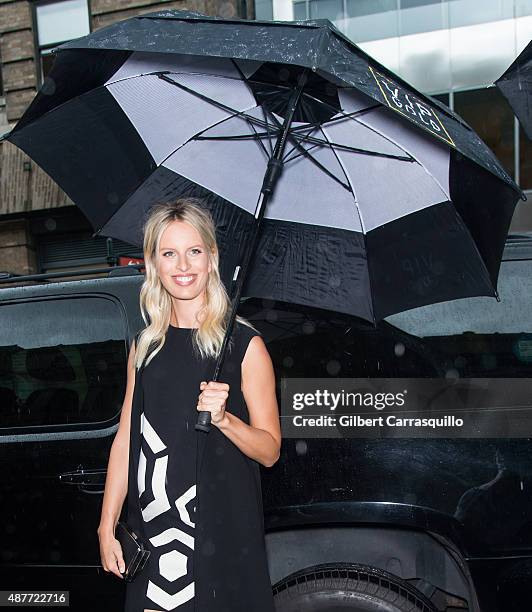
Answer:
(371, 19)
(62, 362)
(62, 21)
(468, 12)
(422, 16)
(326, 9)
(300, 10)
(523, 8)
(489, 114)
(357, 8)
(58, 22)
(480, 53)
(264, 10)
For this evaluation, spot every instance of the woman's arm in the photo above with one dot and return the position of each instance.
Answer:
(116, 482)
(261, 439)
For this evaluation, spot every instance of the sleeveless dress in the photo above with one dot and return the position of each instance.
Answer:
(194, 499)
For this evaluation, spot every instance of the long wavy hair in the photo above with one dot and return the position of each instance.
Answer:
(156, 301)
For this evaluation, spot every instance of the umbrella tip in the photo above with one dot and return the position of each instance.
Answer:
(523, 196)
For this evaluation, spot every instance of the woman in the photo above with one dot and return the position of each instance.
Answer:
(193, 498)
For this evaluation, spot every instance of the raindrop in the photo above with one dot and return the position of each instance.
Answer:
(452, 373)
(288, 361)
(333, 367)
(301, 447)
(308, 327)
(399, 349)
(50, 224)
(460, 361)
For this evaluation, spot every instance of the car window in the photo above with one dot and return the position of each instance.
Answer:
(62, 361)
(479, 336)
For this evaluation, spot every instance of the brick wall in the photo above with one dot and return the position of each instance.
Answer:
(24, 186)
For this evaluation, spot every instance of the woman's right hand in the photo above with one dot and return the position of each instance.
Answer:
(111, 554)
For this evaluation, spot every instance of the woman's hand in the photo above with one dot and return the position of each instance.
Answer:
(111, 554)
(212, 399)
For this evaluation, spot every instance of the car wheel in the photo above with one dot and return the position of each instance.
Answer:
(339, 587)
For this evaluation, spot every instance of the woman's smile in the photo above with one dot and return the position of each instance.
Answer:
(184, 281)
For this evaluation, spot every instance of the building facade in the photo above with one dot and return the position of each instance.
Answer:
(453, 50)
(41, 230)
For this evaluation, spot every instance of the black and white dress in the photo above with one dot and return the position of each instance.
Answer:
(194, 498)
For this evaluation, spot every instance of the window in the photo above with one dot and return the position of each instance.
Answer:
(56, 23)
(62, 362)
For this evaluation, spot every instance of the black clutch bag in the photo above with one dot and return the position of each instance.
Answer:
(133, 550)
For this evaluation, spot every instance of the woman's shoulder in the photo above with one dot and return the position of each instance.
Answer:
(243, 336)
(246, 332)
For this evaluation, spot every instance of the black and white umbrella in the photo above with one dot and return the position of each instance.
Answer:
(371, 198)
(516, 85)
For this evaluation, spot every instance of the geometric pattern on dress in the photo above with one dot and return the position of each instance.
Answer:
(173, 564)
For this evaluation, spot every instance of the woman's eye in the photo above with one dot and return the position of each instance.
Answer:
(168, 253)
(197, 250)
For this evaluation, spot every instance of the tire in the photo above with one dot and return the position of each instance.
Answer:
(337, 587)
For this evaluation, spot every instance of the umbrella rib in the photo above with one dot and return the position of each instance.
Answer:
(310, 139)
(298, 154)
(224, 107)
(261, 123)
(270, 138)
(258, 139)
(314, 160)
(341, 147)
(287, 156)
(342, 116)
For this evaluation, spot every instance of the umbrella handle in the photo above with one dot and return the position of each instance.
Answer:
(204, 421)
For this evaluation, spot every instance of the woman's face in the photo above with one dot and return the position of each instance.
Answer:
(182, 261)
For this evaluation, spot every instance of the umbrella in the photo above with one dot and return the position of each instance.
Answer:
(370, 197)
(516, 85)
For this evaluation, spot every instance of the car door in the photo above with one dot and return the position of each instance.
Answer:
(63, 363)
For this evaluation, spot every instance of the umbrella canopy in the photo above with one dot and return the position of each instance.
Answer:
(516, 85)
(387, 199)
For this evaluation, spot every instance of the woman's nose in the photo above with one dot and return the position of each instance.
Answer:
(183, 265)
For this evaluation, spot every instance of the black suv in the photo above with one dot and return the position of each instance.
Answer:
(365, 525)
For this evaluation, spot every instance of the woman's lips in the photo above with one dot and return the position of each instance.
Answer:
(184, 283)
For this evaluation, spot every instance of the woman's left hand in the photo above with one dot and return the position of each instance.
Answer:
(212, 399)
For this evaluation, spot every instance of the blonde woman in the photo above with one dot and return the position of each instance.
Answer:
(193, 498)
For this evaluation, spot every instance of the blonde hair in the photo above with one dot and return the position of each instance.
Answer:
(156, 302)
